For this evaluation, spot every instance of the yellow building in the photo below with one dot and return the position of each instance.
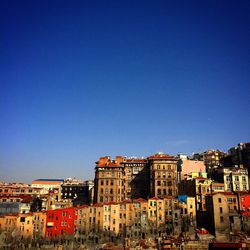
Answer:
(25, 225)
(8, 223)
(39, 224)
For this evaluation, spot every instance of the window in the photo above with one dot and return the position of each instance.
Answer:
(236, 178)
(158, 183)
(221, 219)
(243, 178)
(219, 200)
(221, 211)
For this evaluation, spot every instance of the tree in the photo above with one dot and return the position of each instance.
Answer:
(36, 205)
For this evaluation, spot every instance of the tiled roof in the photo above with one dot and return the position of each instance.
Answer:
(52, 180)
(140, 200)
(161, 156)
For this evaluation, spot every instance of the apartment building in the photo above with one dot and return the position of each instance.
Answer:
(60, 222)
(163, 175)
(136, 183)
(235, 179)
(109, 180)
(198, 187)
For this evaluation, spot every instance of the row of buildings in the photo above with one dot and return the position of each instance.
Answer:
(135, 197)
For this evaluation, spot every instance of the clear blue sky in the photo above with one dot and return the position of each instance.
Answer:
(83, 79)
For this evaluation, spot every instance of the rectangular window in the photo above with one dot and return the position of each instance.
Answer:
(221, 211)
(221, 219)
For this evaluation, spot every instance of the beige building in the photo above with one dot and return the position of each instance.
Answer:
(25, 225)
(109, 180)
(235, 179)
(8, 223)
(39, 224)
(163, 175)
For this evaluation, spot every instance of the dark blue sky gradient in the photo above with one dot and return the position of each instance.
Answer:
(83, 79)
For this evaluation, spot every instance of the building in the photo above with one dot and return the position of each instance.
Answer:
(39, 224)
(109, 180)
(235, 179)
(47, 184)
(136, 183)
(163, 175)
(24, 225)
(198, 187)
(240, 155)
(217, 187)
(211, 158)
(71, 189)
(218, 218)
(191, 166)
(187, 213)
(244, 201)
(60, 222)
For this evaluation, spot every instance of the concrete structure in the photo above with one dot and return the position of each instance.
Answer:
(163, 175)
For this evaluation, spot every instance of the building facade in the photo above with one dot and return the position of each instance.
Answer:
(163, 175)
(109, 180)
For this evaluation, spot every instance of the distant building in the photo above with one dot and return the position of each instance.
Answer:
(211, 158)
(240, 155)
(198, 187)
(47, 184)
(235, 179)
(71, 188)
(191, 166)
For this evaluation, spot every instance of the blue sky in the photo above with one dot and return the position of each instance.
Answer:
(83, 79)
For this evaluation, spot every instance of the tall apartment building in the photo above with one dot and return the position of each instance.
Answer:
(109, 180)
(136, 183)
(163, 175)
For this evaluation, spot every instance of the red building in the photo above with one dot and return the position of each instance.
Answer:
(60, 222)
(244, 199)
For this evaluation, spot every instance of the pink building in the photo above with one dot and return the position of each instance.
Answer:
(191, 166)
